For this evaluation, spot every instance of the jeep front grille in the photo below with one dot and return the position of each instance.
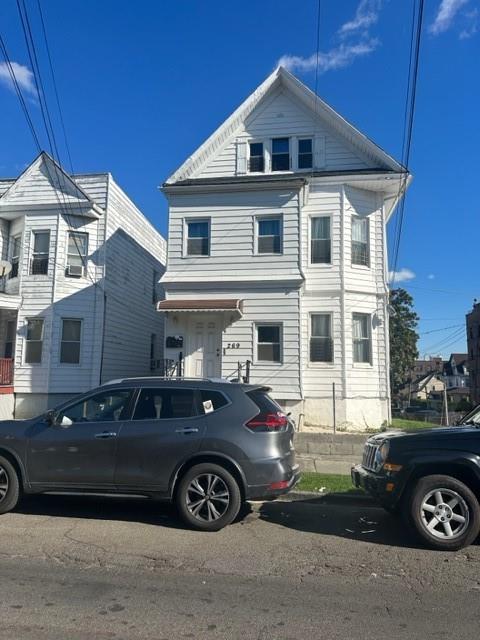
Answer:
(369, 453)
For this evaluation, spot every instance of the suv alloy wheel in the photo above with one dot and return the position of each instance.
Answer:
(208, 497)
(444, 512)
(9, 486)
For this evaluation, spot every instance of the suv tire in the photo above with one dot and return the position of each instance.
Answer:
(9, 486)
(208, 497)
(444, 512)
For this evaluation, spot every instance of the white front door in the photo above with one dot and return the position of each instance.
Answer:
(204, 359)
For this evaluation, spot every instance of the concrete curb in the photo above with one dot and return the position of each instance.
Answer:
(330, 498)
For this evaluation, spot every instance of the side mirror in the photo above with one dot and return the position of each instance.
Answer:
(50, 417)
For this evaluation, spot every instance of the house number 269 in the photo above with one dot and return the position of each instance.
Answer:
(233, 345)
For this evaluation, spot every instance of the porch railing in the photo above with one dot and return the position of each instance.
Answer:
(6, 371)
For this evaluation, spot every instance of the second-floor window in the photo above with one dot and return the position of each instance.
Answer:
(305, 153)
(41, 245)
(14, 255)
(269, 235)
(77, 253)
(34, 341)
(256, 162)
(320, 242)
(198, 237)
(280, 154)
(360, 244)
(70, 345)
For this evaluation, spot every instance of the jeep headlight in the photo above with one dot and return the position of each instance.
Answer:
(381, 455)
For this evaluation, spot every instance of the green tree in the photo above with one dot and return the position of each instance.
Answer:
(403, 338)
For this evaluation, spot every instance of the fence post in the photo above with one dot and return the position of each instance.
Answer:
(334, 409)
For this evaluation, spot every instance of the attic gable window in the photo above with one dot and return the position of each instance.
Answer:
(280, 154)
(305, 153)
(256, 162)
(198, 237)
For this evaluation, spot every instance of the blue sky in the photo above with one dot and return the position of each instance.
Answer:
(143, 83)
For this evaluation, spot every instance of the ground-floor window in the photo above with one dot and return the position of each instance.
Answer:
(34, 341)
(362, 348)
(269, 342)
(321, 343)
(70, 346)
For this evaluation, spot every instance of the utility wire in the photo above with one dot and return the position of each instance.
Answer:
(412, 91)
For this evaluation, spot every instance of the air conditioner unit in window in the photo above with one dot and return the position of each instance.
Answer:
(75, 270)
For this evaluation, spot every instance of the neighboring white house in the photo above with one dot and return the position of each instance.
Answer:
(78, 306)
(277, 256)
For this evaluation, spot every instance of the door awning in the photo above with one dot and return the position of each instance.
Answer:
(230, 305)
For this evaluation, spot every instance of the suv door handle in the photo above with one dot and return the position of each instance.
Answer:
(105, 434)
(187, 430)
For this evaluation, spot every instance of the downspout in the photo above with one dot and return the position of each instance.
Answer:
(342, 293)
(302, 197)
(104, 278)
(386, 316)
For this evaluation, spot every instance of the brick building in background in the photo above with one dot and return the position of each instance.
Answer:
(473, 343)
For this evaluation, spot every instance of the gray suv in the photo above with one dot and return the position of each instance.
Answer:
(205, 445)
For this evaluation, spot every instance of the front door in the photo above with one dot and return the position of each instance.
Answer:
(205, 359)
(166, 428)
(79, 450)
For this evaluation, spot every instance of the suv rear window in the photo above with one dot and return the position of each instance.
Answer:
(212, 400)
(264, 402)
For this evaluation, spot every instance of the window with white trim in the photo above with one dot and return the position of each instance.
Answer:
(198, 237)
(281, 154)
(34, 341)
(15, 242)
(269, 235)
(77, 251)
(320, 240)
(41, 248)
(305, 153)
(256, 160)
(321, 343)
(360, 243)
(71, 340)
(362, 339)
(269, 342)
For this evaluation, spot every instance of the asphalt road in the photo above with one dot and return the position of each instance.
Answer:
(99, 568)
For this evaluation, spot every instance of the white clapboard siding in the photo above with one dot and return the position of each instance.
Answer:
(233, 254)
(262, 303)
(282, 115)
(134, 252)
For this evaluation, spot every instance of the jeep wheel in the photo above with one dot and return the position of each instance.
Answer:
(208, 497)
(9, 486)
(444, 512)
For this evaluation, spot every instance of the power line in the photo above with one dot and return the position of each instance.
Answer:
(453, 326)
(411, 98)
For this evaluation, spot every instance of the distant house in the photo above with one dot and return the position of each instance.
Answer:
(456, 371)
(424, 367)
(77, 306)
(473, 342)
(277, 256)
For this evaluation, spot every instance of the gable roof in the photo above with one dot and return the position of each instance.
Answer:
(59, 180)
(319, 108)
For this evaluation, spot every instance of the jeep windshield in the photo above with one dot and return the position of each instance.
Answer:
(472, 418)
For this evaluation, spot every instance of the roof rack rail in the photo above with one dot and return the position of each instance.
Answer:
(166, 378)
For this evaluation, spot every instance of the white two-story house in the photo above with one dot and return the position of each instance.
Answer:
(80, 268)
(277, 257)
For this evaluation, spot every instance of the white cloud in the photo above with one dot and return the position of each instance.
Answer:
(365, 16)
(336, 58)
(446, 14)
(401, 276)
(23, 75)
(431, 276)
(472, 24)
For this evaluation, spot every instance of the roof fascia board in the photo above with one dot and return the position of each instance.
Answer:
(170, 189)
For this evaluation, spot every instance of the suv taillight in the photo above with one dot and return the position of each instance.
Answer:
(274, 421)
